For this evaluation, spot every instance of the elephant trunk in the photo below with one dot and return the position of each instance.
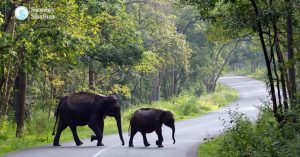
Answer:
(173, 134)
(119, 124)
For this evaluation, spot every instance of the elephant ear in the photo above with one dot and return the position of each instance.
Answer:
(99, 101)
(162, 117)
(111, 103)
(166, 115)
(110, 100)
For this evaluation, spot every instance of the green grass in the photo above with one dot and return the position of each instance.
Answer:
(38, 131)
(262, 138)
(210, 148)
(260, 74)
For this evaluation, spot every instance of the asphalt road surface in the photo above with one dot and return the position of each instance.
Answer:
(189, 133)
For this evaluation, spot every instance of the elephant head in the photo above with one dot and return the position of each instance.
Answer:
(111, 108)
(168, 120)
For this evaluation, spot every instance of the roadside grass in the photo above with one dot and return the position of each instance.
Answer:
(264, 137)
(260, 74)
(38, 131)
(210, 148)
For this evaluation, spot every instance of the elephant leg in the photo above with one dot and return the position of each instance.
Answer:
(133, 132)
(146, 143)
(93, 137)
(60, 127)
(97, 132)
(101, 125)
(75, 136)
(160, 137)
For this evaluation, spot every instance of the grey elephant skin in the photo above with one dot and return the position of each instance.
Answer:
(147, 120)
(85, 108)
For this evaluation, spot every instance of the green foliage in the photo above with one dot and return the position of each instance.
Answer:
(170, 52)
(39, 128)
(141, 52)
(39, 124)
(248, 61)
(4, 129)
(148, 63)
(121, 43)
(262, 138)
(1, 18)
(259, 74)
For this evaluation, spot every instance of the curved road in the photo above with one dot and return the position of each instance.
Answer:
(189, 133)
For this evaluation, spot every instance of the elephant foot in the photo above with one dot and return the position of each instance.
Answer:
(93, 137)
(159, 144)
(79, 143)
(147, 144)
(56, 144)
(100, 144)
(131, 145)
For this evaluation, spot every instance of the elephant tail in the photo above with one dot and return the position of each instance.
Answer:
(56, 114)
(56, 119)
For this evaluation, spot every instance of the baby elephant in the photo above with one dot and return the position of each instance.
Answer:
(147, 120)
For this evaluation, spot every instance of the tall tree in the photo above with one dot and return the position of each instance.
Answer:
(20, 95)
(273, 28)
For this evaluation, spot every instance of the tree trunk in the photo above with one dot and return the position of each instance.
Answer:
(20, 88)
(282, 68)
(20, 84)
(52, 92)
(91, 76)
(8, 19)
(210, 85)
(174, 80)
(6, 94)
(268, 64)
(253, 65)
(2, 81)
(164, 83)
(276, 77)
(290, 54)
(180, 80)
(12, 71)
(12, 68)
(222, 68)
(156, 89)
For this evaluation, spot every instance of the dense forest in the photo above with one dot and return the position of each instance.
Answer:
(274, 25)
(143, 51)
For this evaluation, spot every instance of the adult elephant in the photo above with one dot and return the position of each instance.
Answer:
(85, 108)
(147, 120)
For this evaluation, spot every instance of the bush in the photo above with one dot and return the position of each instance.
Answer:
(189, 107)
(263, 138)
(40, 123)
(4, 130)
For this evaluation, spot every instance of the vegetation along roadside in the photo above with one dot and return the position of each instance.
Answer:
(38, 131)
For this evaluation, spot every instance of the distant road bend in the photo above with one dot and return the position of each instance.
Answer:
(189, 133)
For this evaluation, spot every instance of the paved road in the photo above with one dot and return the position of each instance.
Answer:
(189, 133)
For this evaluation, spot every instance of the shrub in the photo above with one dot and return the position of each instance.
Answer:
(4, 129)
(262, 138)
(40, 123)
